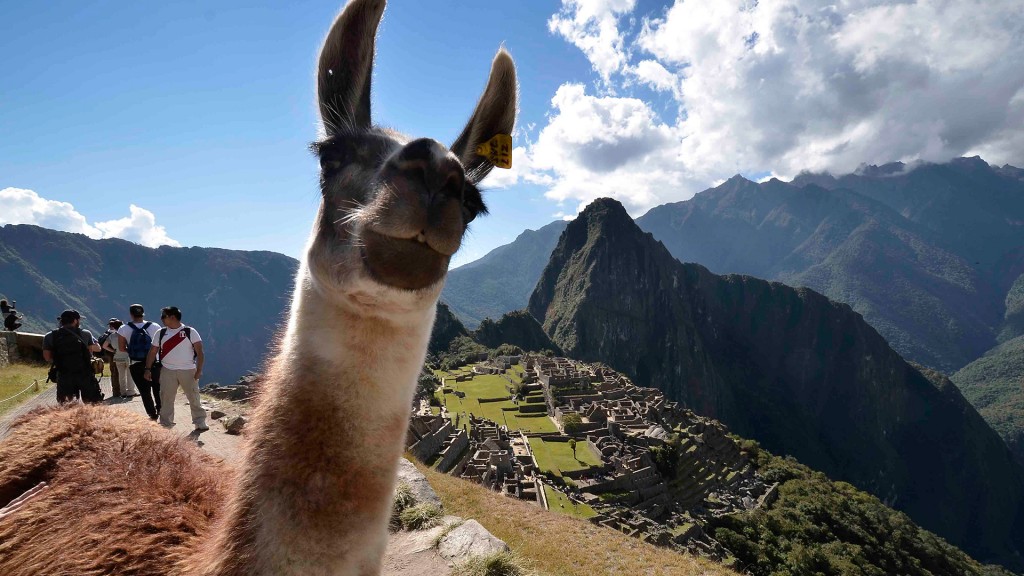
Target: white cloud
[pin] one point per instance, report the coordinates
(778, 86)
(592, 26)
(23, 206)
(140, 227)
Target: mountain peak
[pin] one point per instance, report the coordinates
(603, 207)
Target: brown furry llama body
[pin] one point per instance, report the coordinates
(312, 494)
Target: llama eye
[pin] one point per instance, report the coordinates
(328, 164)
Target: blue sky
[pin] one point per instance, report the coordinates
(199, 113)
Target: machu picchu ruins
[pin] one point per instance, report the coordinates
(631, 460)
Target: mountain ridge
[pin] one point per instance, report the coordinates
(787, 367)
(237, 300)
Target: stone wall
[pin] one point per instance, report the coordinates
(7, 345)
(30, 347)
(20, 347)
(450, 455)
(431, 443)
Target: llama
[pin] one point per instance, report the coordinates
(313, 492)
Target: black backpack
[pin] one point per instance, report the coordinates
(70, 354)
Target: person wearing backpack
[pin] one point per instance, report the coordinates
(179, 349)
(69, 349)
(136, 338)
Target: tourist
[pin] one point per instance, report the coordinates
(69, 349)
(120, 382)
(136, 339)
(10, 315)
(180, 351)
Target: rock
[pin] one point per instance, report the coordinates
(217, 414)
(469, 539)
(235, 424)
(417, 482)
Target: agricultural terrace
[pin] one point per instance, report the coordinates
(558, 502)
(488, 396)
(557, 457)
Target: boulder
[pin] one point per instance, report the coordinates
(469, 539)
(417, 482)
(235, 424)
(217, 414)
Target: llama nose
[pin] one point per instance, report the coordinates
(429, 162)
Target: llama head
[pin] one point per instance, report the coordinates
(394, 209)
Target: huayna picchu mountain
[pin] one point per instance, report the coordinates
(237, 300)
(799, 373)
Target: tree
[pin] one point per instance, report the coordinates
(572, 444)
(425, 386)
(572, 423)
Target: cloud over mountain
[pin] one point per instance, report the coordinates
(21, 206)
(704, 89)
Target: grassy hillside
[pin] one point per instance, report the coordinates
(994, 385)
(820, 527)
(556, 544)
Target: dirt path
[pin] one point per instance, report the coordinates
(215, 440)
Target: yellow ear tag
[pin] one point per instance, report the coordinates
(497, 150)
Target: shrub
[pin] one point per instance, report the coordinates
(404, 499)
(420, 516)
(496, 564)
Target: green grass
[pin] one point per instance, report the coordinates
(557, 457)
(539, 423)
(484, 386)
(17, 377)
(503, 412)
(558, 502)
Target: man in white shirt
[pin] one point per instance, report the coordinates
(136, 338)
(180, 349)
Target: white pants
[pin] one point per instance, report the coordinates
(170, 381)
(125, 382)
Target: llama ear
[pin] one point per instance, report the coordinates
(495, 114)
(346, 63)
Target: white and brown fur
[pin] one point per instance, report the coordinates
(313, 493)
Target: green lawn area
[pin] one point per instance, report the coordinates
(556, 457)
(17, 377)
(484, 386)
(514, 371)
(539, 423)
(503, 412)
(558, 502)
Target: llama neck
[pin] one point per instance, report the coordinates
(314, 493)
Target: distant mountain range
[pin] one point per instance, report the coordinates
(502, 280)
(789, 368)
(932, 256)
(927, 254)
(236, 300)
